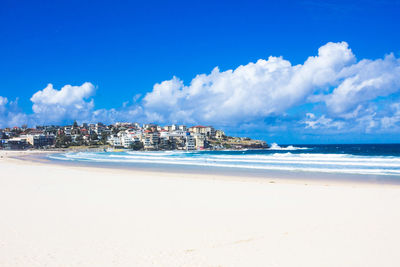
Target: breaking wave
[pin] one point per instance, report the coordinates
(262, 160)
(275, 146)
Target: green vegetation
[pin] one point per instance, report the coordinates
(63, 141)
(104, 137)
(136, 146)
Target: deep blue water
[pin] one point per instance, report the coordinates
(353, 149)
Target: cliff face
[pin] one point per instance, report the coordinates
(238, 143)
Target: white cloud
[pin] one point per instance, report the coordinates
(3, 103)
(392, 121)
(10, 114)
(270, 93)
(365, 81)
(68, 95)
(256, 90)
(322, 122)
(70, 102)
(345, 89)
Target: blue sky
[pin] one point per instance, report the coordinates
(124, 48)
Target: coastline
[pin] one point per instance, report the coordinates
(62, 215)
(288, 177)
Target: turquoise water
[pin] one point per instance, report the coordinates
(339, 159)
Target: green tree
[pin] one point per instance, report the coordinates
(104, 136)
(136, 146)
(94, 136)
(228, 146)
(79, 140)
(63, 140)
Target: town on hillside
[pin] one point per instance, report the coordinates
(123, 135)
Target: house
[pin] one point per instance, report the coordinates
(40, 140)
(164, 134)
(99, 128)
(178, 133)
(114, 140)
(190, 143)
(123, 124)
(16, 144)
(200, 141)
(209, 131)
(149, 126)
(68, 130)
(219, 134)
(197, 129)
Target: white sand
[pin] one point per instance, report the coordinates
(62, 216)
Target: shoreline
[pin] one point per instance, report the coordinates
(305, 178)
(59, 215)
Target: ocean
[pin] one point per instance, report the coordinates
(372, 160)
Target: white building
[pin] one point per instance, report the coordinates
(114, 141)
(210, 131)
(206, 130)
(164, 134)
(147, 143)
(200, 141)
(126, 140)
(128, 137)
(67, 130)
(178, 133)
(99, 128)
(219, 134)
(39, 140)
(190, 143)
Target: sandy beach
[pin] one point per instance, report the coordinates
(54, 215)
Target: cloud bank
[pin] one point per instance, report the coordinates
(70, 102)
(10, 114)
(253, 91)
(331, 90)
(343, 92)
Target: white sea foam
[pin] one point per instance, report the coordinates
(332, 163)
(271, 160)
(275, 146)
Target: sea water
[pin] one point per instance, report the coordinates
(368, 159)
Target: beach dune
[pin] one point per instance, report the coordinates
(54, 215)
